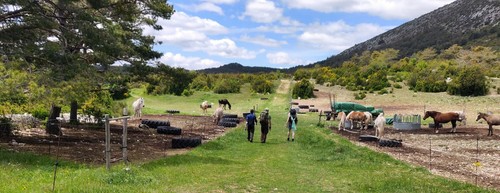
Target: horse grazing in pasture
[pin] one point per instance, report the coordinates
(342, 117)
(219, 112)
(357, 117)
(490, 119)
(369, 118)
(379, 125)
(138, 105)
(225, 102)
(204, 106)
(443, 118)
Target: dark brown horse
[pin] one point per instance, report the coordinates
(225, 102)
(443, 118)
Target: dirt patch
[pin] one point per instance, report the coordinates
(85, 143)
(467, 155)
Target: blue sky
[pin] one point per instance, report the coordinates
(279, 34)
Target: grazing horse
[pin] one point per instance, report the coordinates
(443, 118)
(204, 106)
(357, 117)
(490, 119)
(379, 125)
(219, 112)
(341, 115)
(225, 102)
(369, 118)
(138, 105)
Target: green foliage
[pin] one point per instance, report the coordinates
(5, 126)
(187, 92)
(262, 85)
(202, 82)
(360, 95)
(40, 113)
(383, 91)
(303, 89)
(471, 81)
(397, 86)
(301, 74)
(99, 104)
(227, 86)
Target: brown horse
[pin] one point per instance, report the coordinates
(443, 118)
(357, 117)
(490, 119)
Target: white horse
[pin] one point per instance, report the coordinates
(204, 106)
(379, 125)
(138, 105)
(342, 117)
(219, 112)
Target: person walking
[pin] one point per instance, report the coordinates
(292, 124)
(251, 121)
(265, 124)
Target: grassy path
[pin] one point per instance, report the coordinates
(318, 161)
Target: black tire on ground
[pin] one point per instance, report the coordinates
(168, 130)
(313, 110)
(294, 103)
(304, 106)
(368, 138)
(229, 116)
(155, 123)
(185, 142)
(234, 120)
(173, 111)
(390, 143)
(227, 124)
(315, 89)
(263, 98)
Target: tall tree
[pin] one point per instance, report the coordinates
(76, 34)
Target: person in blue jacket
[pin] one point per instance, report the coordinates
(250, 124)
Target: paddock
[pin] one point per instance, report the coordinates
(86, 143)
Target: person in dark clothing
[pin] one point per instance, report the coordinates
(265, 124)
(292, 124)
(251, 121)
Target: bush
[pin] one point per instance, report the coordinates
(187, 92)
(262, 85)
(396, 85)
(359, 96)
(303, 89)
(40, 113)
(471, 81)
(383, 91)
(227, 86)
(5, 127)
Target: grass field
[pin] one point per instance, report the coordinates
(318, 161)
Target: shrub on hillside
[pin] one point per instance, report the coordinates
(471, 81)
(359, 96)
(303, 89)
(261, 85)
(227, 86)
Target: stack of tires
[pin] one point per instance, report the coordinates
(179, 142)
(229, 120)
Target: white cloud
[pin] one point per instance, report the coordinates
(190, 63)
(389, 9)
(338, 36)
(283, 58)
(191, 34)
(263, 11)
(207, 6)
(262, 40)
